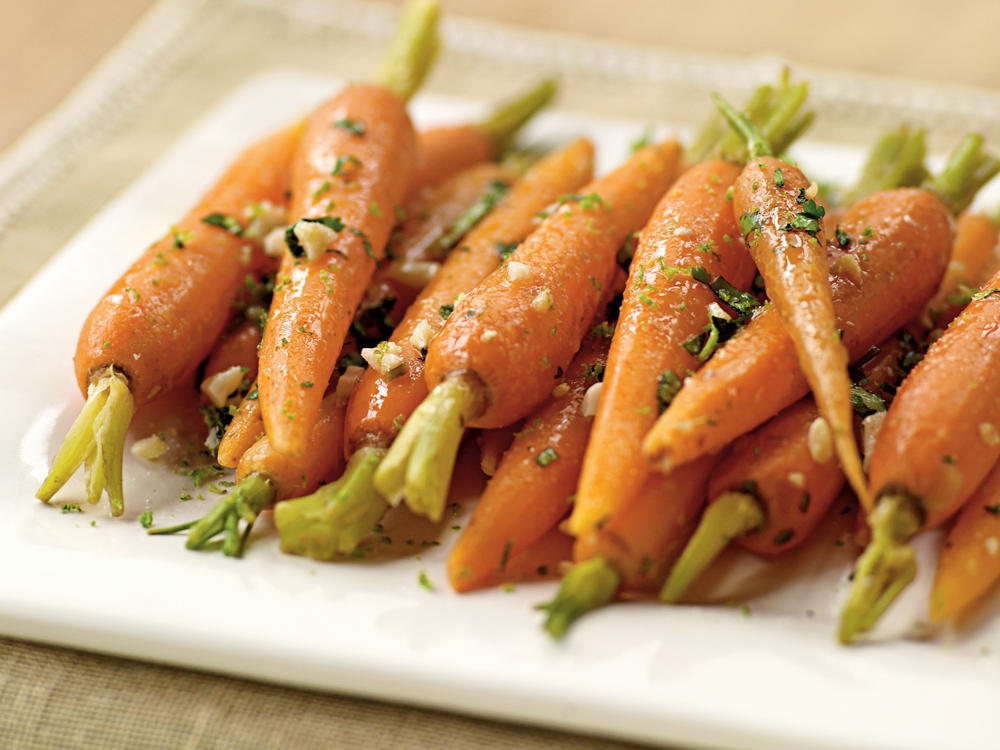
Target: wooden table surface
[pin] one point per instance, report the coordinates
(48, 46)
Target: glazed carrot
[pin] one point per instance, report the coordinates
(976, 237)
(691, 240)
(493, 444)
(935, 448)
(539, 562)
(245, 429)
(505, 342)
(888, 269)
(635, 549)
(969, 563)
(238, 348)
(445, 150)
(382, 401)
(263, 476)
(352, 167)
(162, 317)
(537, 477)
(783, 228)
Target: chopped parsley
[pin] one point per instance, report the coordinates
(808, 218)
(445, 311)
(779, 179)
(783, 536)
(750, 222)
(71, 508)
(223, 221)
(146, 519)
(546, 457)
(343, 161)
(504, 249)
(744, 303)
(594, 371)
(842, 239)
(202, 474)
(181, 237)
(424, 581)
(354, 127)
(667, 386)
(603, 330)
(364, 240)
(865, 402)
(587, 202)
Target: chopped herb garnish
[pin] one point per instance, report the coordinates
(504, 249)
(307, 384)
(181, 237)
(146, 519)
(865, 402)
(342, 162)
(594, 371)
(445, 311)
(470, 216)
(546, 457)
(779, 179)
(950, 460)
(355, 127)
(783, 536)
(983, 294)
(642, 141)
(71, 508)
(993, 509)
(603, 330)
(424, 581)
(842, 239)
(202, 474)
(750, 222)
(667, 386)
(587, 202)
(505, 555)
(744, 303)
(364, 240)
(324, 188)
(698, 273)
(804, 502)
(222, 221)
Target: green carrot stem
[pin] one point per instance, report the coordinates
(759, 106)
(412, 50)
(172, 529)
(966, 171)
(756, 145)
(419, 464)
(97, 437)
(507, 119)
(887, 565)
(782, 117)
(732, 514)
(336, 518)
(587, 586)
(792, 132)
(254, 493)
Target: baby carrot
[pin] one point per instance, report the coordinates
(969, 563)
(539, 562)
(636, 547)
(161, 318)
(382, 401)
(883, 267)
(534, 484)
(352, 167)
(505, 342)
(493, 444)
(935, 448)
(263, 476)
(783, 228)
(445, 150)
(691, 240)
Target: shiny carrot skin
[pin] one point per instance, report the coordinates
(163, 316)
(449, 149)
(493, 444)
(642, 541)
(516, 345)
(937, 444)
(879, 281)
(533, 487)
(539, 562)
(379, 405)
(969, 564)
(789, 247)
(296, 476)
(976, 237)
(246, 429)
(314, 300)
(663, 308)
(238, 348)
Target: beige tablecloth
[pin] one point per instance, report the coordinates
(176, 64)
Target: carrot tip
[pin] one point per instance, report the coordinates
(419, 464)
(886, 567)
(254, 493)
(96, 439)
(336, 518)
(732, 514)
(587, 586)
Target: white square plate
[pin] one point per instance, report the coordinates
(707, 677)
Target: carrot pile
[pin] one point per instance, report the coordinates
(700, 348)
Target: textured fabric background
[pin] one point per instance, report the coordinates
(176, 64)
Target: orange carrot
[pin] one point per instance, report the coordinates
(508, 339)
(382, 401)
(539, 562)
(535, 482)
(264, 475)
(238, 348)
(352, 168)
(888, 269)
(691, 239)
(783, 227)
(493, 444)
(444, 151)
(969, 563)
(159, 321)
